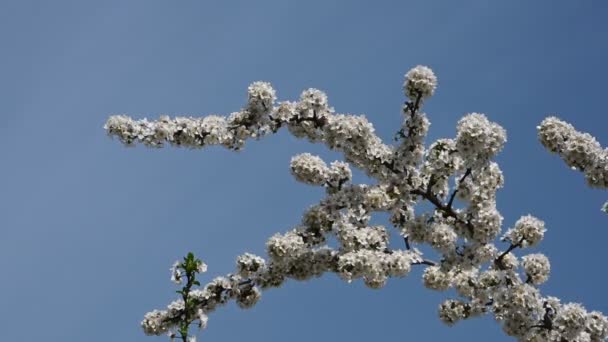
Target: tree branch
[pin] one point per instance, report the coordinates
(466, 174)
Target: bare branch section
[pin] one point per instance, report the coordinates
(486, 280)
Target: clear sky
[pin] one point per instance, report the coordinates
(89, 228)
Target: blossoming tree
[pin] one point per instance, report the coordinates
(486, 279)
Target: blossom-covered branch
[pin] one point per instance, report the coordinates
(461, 228)
(580, 151)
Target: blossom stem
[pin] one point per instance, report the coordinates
(499, 261)
(466, 174)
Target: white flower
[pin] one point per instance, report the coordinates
(570, 320)
(309, 169)
(537, 268)
(509, 262)
(249, 264)
(261, 96)
(286, 246)
(398, 264)
(338, 174)
(597, 326)
(528, 231)
(354, 238)
(478, 139)
(452, 311)
(486, 221)
(176, 273)
(579, 150)
(201, 267)
(443, 238)
(465, 282)
(248, 297)
(202, 319)
(420, 80)
(480, 253)
(436, 279)
(156, 323)
(313, 102)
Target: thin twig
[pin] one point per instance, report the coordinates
(466, 174)
(498, 262)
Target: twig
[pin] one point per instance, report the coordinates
(466, 174)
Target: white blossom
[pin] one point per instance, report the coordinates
(155, 323)
(486, 221)
(579, 150)
(309, 169)
(338, 174)
(201, 267)
(285, 246)
(478, 139)
(176, 273)
(536, 267)
(436, 279)
(419, 80)
(249, 264)
(571, 320)
(261, 96)
(528, 231)
(452, 311)
(248, 297)
(443, 238)
(597, 326)
(482, 185)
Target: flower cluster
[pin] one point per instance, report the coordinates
(527, 232)
(536, 267)
(420, 81)
(310, 169)
(457, 177)
(579, 150)
(478, 139)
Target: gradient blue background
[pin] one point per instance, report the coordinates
(89, 228)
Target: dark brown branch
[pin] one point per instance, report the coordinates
(447, 211)
(466, 174)
(499, 261)
(425, 262)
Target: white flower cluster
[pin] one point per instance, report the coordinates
(579, 150)
(482, 186)
(310, 169)
(441, 162)
(420, 81)
(411, 150)
(528, 231)
(261, 97)
(478, 139)
(486, 280)
(374, 266)
(537, 268)
(213, 295)
(248, 265)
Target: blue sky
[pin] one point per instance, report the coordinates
(89, 228)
